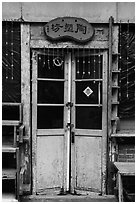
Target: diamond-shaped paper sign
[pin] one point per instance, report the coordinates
(88, 91)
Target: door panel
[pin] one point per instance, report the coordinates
(88, 158)
(48, 114)
(89, 96)
(49, 163)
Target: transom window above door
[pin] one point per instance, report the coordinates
(88, 63)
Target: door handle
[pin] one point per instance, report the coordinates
(72, 137)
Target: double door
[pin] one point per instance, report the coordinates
(69, 120)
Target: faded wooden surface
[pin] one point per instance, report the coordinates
(99, 40)
(104, 153)
(100, 32)
(44, 44)
(125, 168)
(97, 12)
(88, 163)
(25, 99)
(34, 119)
(49, 162)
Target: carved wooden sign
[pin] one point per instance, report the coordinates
(67, 28)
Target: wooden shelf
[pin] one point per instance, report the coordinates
(7, 148)
(125, 168)
(123, 134)
(8, 197)
(10, 123)
(8, 174)
(8, 144)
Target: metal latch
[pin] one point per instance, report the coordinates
(69, 104)
(72, 137)
(70, 125)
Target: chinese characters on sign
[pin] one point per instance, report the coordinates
(69, 27)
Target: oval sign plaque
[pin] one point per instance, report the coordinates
(66, 28)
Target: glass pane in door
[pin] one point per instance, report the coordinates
(87, 66)
(49, 117)
(51, 64)
(51, 92)
(89, 118)
(88, 92)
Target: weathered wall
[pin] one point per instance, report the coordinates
(94, 12)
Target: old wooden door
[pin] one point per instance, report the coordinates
(69, 119)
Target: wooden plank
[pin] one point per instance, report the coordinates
(50, 132)
(34, 120)
(115, 38)
(45, 79)
(110, 75)
(8, 197)
(25, 93)
(8, 148)
(68, 129)
(8, 174)
(65, 124)
(50, 156)
(17, 174)
(11, 104)
(73, 130)
(88, 160)
(120, 188)
(10, 122)
(88, 105)
(104, 153)
(15, 136)
(89, 133)
(80, 80)
(123, 135)
(125, 168)
(49, 104)
(46, 44)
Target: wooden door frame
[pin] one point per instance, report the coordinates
(102, 132)
(34, 121)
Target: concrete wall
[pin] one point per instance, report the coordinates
(94, 12)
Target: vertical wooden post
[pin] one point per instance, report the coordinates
(25, 94)
(73, 154)
(110, 75)
(68, 121)
(104, 124)
(120, 188)
(34, 120)
(109, 88)
(65, 126)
